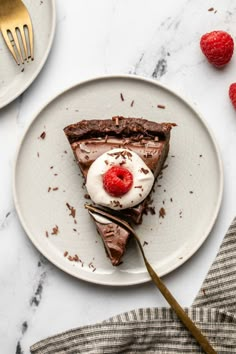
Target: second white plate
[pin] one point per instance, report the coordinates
(16, 79)
(47, 179)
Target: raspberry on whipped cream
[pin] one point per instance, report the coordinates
(143, 179)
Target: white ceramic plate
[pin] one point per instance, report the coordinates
(14, 79)
(190, 189)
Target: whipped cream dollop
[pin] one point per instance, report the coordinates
(143, 179)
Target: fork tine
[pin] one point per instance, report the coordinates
(10, 46)
(22, 35)
(17, 44)
(31, 39)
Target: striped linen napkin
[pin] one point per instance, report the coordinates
(158, 330)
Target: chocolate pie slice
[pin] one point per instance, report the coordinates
(120, 158)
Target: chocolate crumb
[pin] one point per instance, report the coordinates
(22, 70)
(55, 189)
(122, 97)
(70, 258)
(191, 192)
(164, 167)
(87, 196)
(200, 155)
(211, 9)
(38, 154)
(55, 230)
(55, 174)
(137, 186)
(161, 106)
(43, 135)
(171, 200)
(72, 210)
(51, 167)
(65, 253)
(74, 230)
(132, 103)
(162, 213)
(65, 152)
(46, 233)
(49, 188)
(145, 243)
(94, 269)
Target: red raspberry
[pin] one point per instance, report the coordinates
(218, 47)
(117, 181)
(232, 94)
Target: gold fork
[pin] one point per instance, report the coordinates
(184, 318)
(16, 28)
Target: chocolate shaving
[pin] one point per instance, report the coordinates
(144, 170)
(162, 213)
(161, 106)
(122, 97)
(46, 233)
(132, 103)
(116, 203)
(72, 210)
(76, 258)
(123, 154)
(55, 230)
(49, 188)
(145, 243)
(42, 135)
(55, 188)
(65, 253)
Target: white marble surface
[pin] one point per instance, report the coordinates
(152, 38)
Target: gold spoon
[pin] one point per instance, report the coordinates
(185, 319)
